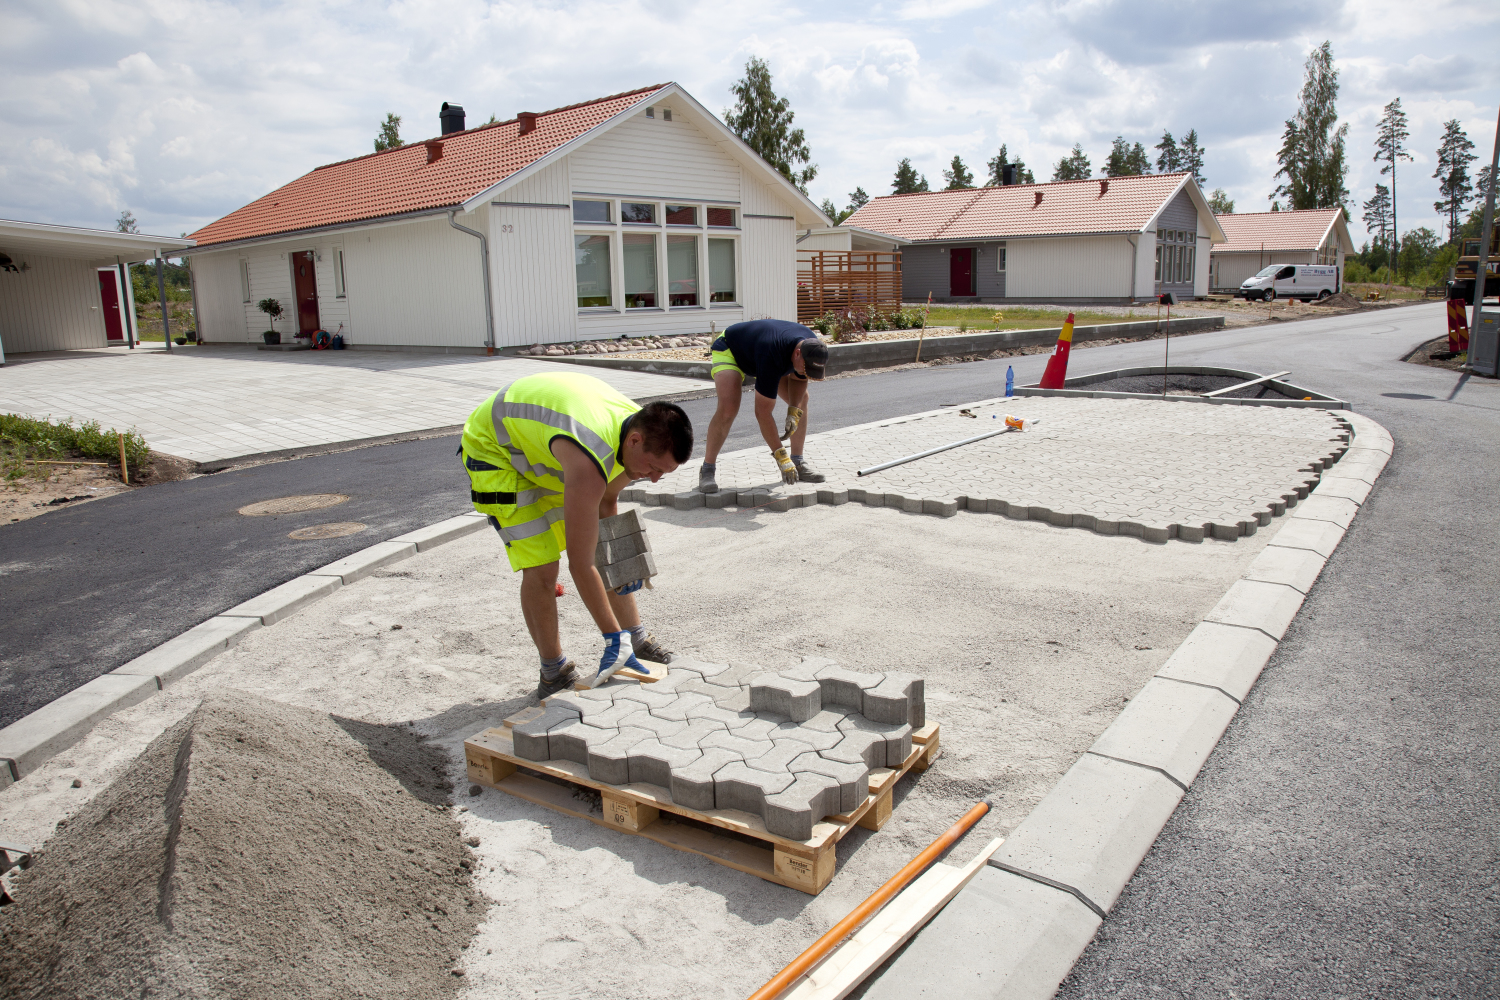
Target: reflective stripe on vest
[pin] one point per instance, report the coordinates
(528, 529)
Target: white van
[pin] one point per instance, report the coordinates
(1291, 281)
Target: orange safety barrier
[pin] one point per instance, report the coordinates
(1458, 326)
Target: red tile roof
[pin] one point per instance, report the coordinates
(1066, 207)
(399, 181)
(1256, 231)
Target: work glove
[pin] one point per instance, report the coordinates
(793, 419)
(630, 588)
(619, 653)
(784, 461)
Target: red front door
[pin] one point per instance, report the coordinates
(961, 271)
(109, 299)
(306, 290)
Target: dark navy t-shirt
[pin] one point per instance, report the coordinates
(763, 349)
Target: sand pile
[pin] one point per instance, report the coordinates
(255, 850)
(1339, 300)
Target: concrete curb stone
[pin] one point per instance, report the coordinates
(1317, 536)
(361, 564)
(1169, 725)
(444, 531)
(283, 601)
(176, 658)
(59, 724)
(1220, 656)
(1295, 568)
(1324, 507)
(1269, 607)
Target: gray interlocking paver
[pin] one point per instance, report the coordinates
(653, 761)
(798, 700)
(859, 747)
(531, 737)
(737, 785)
(609, 761)
(694, 733)
(678, 710)
(792, 811)
(693, 786)
(1162, 467)
(653, 724)
(853, 779)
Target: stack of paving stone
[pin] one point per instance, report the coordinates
(790, 746)
(623, 554)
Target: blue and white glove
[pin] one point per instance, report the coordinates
(630, 588)
(619, 653)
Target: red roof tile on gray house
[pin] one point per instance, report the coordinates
(406, 180)
(1252, 232)
(1097, 206)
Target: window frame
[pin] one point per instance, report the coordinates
(610, 240)
(656, 292)
(609, 210)
(708, 272)
(340, 282)
(245, 295)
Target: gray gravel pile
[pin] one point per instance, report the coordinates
(254, 850)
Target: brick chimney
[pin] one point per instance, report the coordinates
(527, 120)
(434, 150)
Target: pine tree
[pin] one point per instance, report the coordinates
(1377, 217)
(1192, 157)
(958, 176)
(390, 133)
(1073, 167)
(857, 200)
(832, 211)
(1220, 203)
(1312, 154)
(996, 165)
(1453, 158)
(126, 223)
(1125, 160)
(1169, 160)
(764, 121)
(1390, 145)
(907, 180)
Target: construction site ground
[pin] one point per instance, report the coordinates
(1031, 639)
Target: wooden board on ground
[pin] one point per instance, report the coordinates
(847, 965)
(648, 810)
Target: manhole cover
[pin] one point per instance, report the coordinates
(338, 529)
(291, 505)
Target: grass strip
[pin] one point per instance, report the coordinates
(24, 440)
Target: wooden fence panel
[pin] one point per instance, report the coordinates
(835, 280)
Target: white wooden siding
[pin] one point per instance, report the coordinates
(761, 199)
(650, 157)
(1201, 259)
(1077, 267)
(546, 187)
(53, 305)
(534, 284)
(416, 285)
(654, 322)
(221, 317)
(825, 241)
(1144, 255)
(768, 269)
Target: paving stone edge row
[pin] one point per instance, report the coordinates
(1017, 930)
(28, 742)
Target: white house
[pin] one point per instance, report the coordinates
(64, 288)
(1260, 239)
(1111, 239)
(637, 213)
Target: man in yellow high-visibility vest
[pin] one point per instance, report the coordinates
(547, 457)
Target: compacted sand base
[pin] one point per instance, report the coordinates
(255, 850)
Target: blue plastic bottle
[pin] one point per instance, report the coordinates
(1010, 381)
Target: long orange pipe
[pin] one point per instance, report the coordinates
(804, 962)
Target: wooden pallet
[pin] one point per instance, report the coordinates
(647, 810)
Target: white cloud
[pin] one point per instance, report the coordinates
(183, 110)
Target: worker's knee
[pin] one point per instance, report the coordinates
(540, 576)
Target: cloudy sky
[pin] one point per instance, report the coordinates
(183, 110)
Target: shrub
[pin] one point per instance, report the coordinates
(26, 439)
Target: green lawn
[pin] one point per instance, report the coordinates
(1022, 318)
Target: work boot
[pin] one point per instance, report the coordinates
(706, 482)
(652, 650)
(806, 473)
(565, 679)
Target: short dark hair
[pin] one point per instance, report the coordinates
(665, 427)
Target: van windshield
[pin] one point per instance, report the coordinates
(1268, 271)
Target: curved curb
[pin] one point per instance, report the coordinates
(1019, 927)
(58, 725)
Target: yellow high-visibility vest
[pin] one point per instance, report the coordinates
(514, 430)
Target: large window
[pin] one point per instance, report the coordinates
(640, 270)
(721, 271)
(682, 270)
(591, 261)
(591, 211)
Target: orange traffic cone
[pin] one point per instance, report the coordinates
(1458, 326)
(1057, 365)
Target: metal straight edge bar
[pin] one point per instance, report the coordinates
(934, 451)
(1086, 837)
(61, 723)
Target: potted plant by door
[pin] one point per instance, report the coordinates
(274, 310)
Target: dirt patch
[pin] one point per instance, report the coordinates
(1342, 300)
(254, 850)
(1424, 356)
(51, 487)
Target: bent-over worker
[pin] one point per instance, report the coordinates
(547, 457)
(781, 356)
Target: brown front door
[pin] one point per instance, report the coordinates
(307, 291)
(961, 271)
(109, 299)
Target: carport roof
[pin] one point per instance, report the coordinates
(100, 246)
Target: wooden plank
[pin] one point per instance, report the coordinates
(930, 751)
(627, 813)
(1244, 385)
(877, 814)
(847, 966)
(524, 715)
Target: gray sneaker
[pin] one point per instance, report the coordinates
(565, 679)
(806, 473)
(652, 650)
(706, 482)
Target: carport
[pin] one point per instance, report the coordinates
(63, 288)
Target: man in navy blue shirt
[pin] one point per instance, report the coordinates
(781, 357)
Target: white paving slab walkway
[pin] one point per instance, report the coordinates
(218, 403)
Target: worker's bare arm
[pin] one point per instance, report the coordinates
(583, 501)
